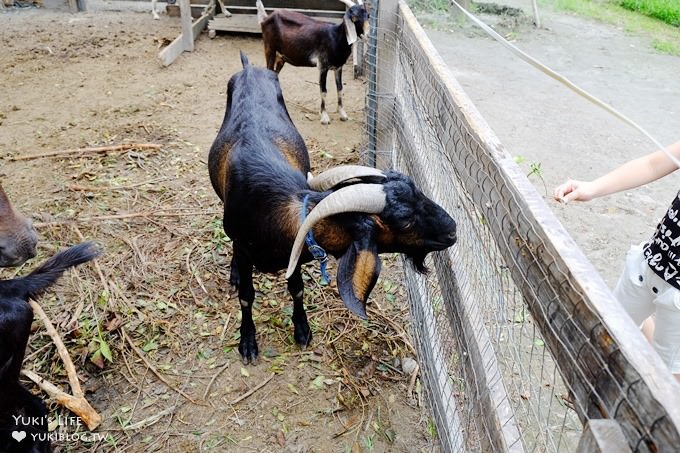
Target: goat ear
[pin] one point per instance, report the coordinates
(5, 205)
(358, 270)
(244, 59)
(351, 31)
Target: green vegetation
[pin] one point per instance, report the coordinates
(665, 10)
(665, 34)
(657, 19)
(429, 6)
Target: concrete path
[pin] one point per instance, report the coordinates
(544, 122)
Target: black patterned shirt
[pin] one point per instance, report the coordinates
(662, 251)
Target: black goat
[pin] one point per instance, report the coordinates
(23, 416)
(292, 37)
(18, 238)
(258, 164)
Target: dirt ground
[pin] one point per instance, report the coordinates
(542, 122)
(92, 79)
(156, 306)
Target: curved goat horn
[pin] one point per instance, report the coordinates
(349, 3)
(369, 198)
(330, 178)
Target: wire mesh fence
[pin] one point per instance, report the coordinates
(521, 344)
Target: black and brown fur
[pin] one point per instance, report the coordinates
(258, 165)
(18, 238)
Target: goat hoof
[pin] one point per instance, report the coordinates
(248, 350)
(325, 119)
(303, 335)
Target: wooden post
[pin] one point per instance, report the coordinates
(358, 58)
(537, 18)
(382, 54)
(190, 31)
(187, 33)
(603, 436)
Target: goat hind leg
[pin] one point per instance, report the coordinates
(338, 85)
(153, 9)
(322, 83)
(247, 346)
(234, 278)
(302, 332)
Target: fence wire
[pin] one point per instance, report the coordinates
(509, 326)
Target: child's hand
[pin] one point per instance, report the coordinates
(573, 191)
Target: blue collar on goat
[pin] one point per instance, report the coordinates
(315, 249)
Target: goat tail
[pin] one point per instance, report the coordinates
(261, 13)
(48, 272)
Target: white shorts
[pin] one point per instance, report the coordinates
(643, 293)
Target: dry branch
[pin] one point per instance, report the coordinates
(207, 389)
(76, 402)
(253, 390)
(94, 150)
(130, 215)
(77, 405)
(152, 368)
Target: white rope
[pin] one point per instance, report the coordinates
(563, 80)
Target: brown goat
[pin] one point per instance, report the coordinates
(18, 238)
(292, 37)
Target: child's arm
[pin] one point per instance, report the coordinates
(634, 173)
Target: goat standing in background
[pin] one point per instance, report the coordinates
(20, 410)
(292, 37)
(258, 165)
(18, 238)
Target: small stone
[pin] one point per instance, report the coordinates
(408, 365)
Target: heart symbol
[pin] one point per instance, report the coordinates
(19, 435)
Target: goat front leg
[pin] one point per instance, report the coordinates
(247, 346)
(323, 72)
(302, 332)
(153, 9)
(338, 85)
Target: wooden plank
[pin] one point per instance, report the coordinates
(326, 5)
(239, 23)
(549, 267)
(200, 23)
(246, 23)
(317, 13)
(172, 51)
(603, 436)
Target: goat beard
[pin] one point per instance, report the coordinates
(418, 262)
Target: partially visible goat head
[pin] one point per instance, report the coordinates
(356, 20)
(18, 238)
(401, 218)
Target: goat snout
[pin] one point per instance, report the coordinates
(447, 240)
